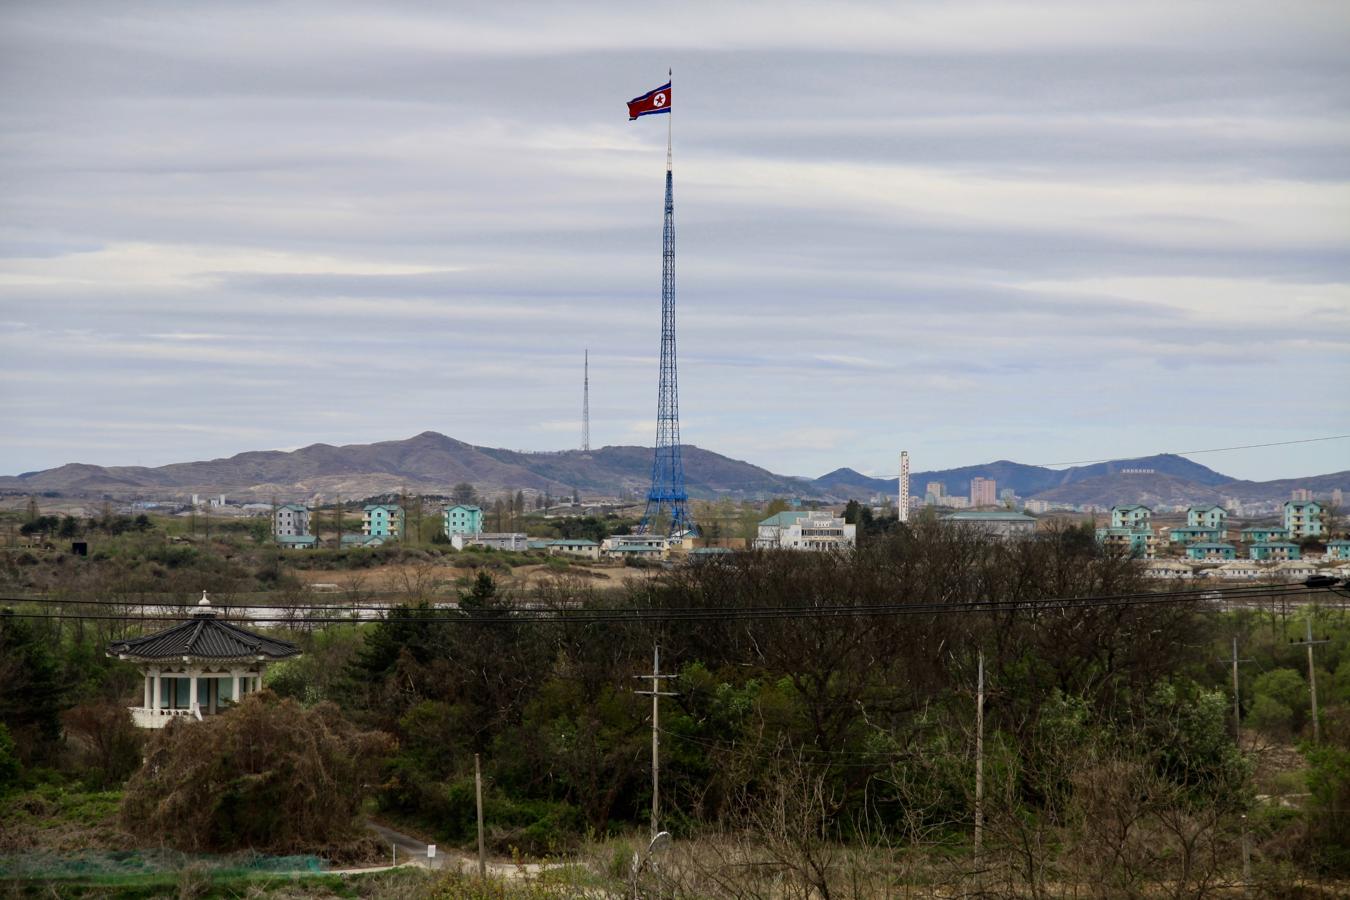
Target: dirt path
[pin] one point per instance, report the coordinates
(412, 851)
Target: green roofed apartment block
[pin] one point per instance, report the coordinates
(1281, 551)
(1211, 517)
(1211, 551)
(383, 520)
(1130, 532)
(1303, 518)
(463, 519)
(1263, 534)
(1191, 534)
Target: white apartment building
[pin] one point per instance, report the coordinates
(291, 520)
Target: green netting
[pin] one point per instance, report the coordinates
(151, 862)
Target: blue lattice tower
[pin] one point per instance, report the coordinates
(666, 499)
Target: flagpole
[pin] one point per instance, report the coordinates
(670, 115)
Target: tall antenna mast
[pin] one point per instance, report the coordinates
(586, 405)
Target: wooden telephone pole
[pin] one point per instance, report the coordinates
(656, 694)
(979, 758)
(1237, 706)
(1312, 675)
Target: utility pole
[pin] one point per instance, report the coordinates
(979, 758)
(1312, 675)
(478, 788)
(656, 694)
(1237, 707)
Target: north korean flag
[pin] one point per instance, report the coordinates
(652, 103)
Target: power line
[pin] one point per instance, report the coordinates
(1211, 592)
(1091, 462)
(656, 615)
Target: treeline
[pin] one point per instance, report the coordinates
(1107, 731)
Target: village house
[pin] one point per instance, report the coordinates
(1295, 570)
(635, 546)
(1168, 568)
(1243, 570)
(509, 540)
(1338, 550)
(1274, 551)
(1264, 534)
(574, 547)
(1190, 534)
(1211, 551)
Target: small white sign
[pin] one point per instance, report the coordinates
(431, 851)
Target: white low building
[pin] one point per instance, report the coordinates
(512, 541)
(635, 546)
(998, 523)
(1243, 570)
(574, 547)
(198, 668)
(806, 530)
(1168, 568)
(1295, 570)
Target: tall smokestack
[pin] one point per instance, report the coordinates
(902, 505)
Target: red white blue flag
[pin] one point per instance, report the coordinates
(654, 102)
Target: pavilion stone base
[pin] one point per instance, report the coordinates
(143, 717)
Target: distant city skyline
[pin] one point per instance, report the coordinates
(1040, 231)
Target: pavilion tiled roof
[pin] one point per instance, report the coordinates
(204, 637)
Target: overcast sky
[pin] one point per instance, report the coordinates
(1041, 231)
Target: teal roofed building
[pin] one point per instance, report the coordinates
(1131, 516)
(462, 519)
(1263, 534)
(383, 520)
(1303, 518)
(1211, 517)
(1338, 550)
(1190, 534)
(1210, 550)
(1280, 551)
(297, 541)
(1130, 531)
(366, 541)
(1137, 542)
(575, 547)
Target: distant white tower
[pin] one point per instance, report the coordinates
(586, 405)
(902, 510)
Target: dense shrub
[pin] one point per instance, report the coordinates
(268, 775)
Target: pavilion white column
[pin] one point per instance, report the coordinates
(155, 696)
(192, 691)
(234, 688)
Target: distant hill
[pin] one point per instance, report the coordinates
(1027, 481)
(427, 463)
(432, 463)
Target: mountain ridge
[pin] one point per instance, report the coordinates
(431, 462)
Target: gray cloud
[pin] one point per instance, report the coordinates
(1021, 231)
